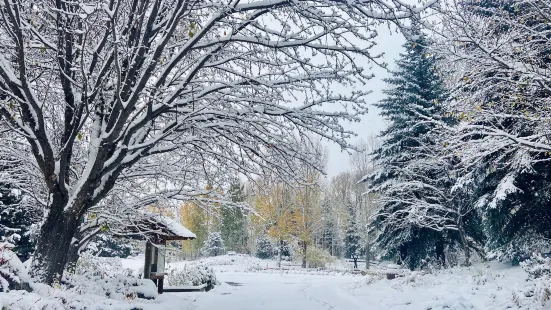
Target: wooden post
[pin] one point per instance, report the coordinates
(160, 285)
(147, 263)
(155, 252)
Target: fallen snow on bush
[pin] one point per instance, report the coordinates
(191, 275)
(483, 286)
(57, 299)
(12, 270)
(95, 283)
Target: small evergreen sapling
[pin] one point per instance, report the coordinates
(214, 245)
(264, 248)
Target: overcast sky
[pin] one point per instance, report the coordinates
(372, 123)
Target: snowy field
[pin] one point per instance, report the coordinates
(250, 283)
(247, 283)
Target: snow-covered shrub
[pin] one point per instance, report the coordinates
(12, 271)
(537, 266)
(214, 245)
(538, 288)
(264, 248)
(89, 265)
(318, 258)
(520, 248)
(105, 276)
(286, 251)
(191, 275)
(119, 287)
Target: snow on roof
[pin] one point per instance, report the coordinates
(157, 226)
(174, 227)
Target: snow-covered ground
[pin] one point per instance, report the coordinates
(250, 283)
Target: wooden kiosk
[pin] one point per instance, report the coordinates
(162, 229)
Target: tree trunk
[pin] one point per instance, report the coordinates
(304, 248)
(72, 256)
(466, 248)
(279, 253)
(440, 255)
(367, 254)
(53, 245)
(77, 244)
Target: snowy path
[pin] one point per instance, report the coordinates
(280, 291)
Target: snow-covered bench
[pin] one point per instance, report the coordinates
(186, 288)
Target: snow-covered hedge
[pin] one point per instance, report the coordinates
(191, 275)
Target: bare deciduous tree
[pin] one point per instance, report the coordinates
(96, 88)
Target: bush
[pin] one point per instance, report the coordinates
(538, 287)
(105, 267)
(537, 266)
(318, 258)
(119, 287)
(12, 272)
(105, 276)
(192, 275)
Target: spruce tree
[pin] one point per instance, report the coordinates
(264, 248)
(106, 245)
(509, 185)
(410, 179)
(329, 239)
(233, 221)
(352, 238)
(16, 222)
(214, 245)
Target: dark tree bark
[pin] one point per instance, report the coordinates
(440, 255)
(279, 253)
(72, 256)
(53, 245)
(464, 242)
(304, 249)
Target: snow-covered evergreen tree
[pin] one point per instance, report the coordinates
(264, 247)
(233, 221)
(501, 97)
(214, 245)
(329, 234)
(352, 239)
(17, 223)
(286, 250)
(105, 245)
(411, 179)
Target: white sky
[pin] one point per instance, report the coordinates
(372, 123)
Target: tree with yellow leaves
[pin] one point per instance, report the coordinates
(275, 213)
